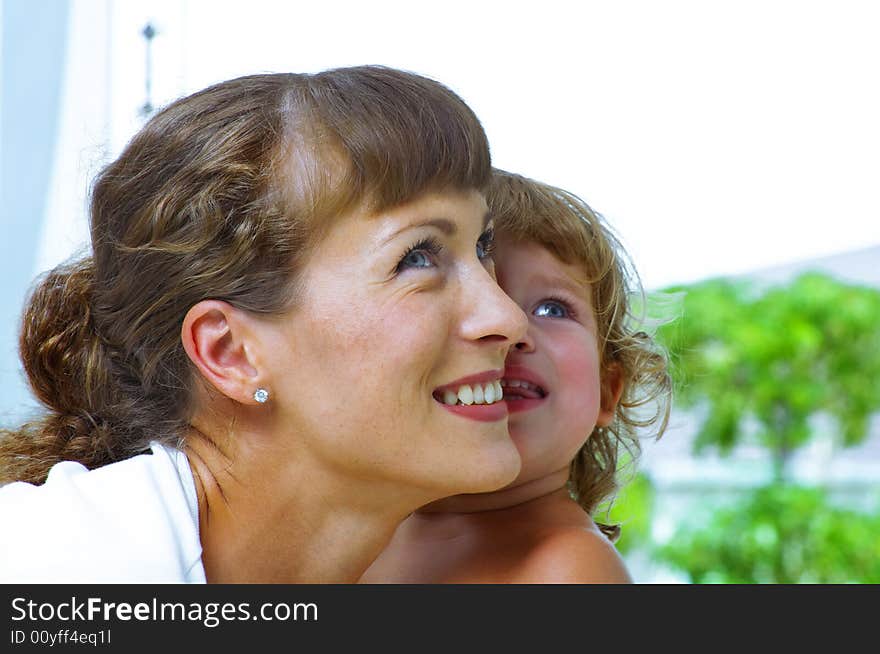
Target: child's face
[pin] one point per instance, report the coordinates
(552, 416)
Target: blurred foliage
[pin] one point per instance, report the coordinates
(780, 534)
(777, 357)
(773, 359)
(631, 509)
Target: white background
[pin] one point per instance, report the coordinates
(717, 137)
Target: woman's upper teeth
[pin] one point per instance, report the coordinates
(468, 394)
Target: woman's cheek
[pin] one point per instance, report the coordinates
(413, 328)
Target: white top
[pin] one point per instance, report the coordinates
(135, 521)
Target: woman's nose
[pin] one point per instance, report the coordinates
(494, 315)
(526, 344)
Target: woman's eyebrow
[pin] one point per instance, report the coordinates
(443, 224)
(448, 227)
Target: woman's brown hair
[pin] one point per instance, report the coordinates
(527, 210)
(220, 196)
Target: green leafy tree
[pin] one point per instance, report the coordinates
(781, 534)
(776, 359)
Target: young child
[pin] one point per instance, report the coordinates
(578, 386)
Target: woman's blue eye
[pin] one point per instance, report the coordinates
(551, 309)
(416, 259)
(421, 255)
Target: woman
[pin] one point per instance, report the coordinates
(262, 362)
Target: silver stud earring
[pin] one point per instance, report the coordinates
(261, 395)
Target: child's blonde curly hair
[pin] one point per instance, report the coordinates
(527, 210)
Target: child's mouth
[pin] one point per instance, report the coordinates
(518, 389)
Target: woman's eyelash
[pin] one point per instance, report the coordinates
(431, 248)
(487, 243)
(429, 245)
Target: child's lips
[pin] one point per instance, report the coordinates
(522, 394)
(518, 404)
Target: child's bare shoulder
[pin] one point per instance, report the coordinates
(573, 555)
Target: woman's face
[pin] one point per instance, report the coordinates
(399, 311)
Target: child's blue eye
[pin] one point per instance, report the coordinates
(551, 309)
(420, 255)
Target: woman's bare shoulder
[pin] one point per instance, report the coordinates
(573, 555)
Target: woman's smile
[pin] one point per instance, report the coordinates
(478, 397)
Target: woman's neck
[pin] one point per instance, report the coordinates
(265, 518)
(511, 496)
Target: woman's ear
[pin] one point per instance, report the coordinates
(216, 337)
(612, 389)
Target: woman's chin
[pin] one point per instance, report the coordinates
(492, 469)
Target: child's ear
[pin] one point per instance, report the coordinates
(612, 389)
